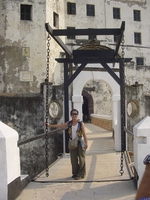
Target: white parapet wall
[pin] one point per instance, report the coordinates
(103, 121)
(141, 145)
(9, 159)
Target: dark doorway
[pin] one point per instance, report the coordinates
(85, 109)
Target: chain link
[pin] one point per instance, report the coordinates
(47, 89)
(122, 105)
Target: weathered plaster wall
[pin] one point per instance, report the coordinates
(135, 92)
(104, 19)
(102, 96)
(132, 50)
(56, 70)
(26, 115)
(23, 48)
(2, 18)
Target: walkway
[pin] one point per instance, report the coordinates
(103, 180)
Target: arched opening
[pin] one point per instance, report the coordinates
(87, 107)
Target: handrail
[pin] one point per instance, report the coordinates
(129, 132)
(21, 142)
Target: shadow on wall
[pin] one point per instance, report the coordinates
(25, 114)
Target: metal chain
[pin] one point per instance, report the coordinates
(47, 89)
(122, 106)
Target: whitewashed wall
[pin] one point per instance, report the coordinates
(9, 158)
(24, 72)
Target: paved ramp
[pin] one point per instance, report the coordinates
(102, 173)
(102, 162)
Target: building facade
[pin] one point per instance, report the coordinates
(23, 49)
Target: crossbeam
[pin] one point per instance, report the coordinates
(78, 70)
(92, 60)
(57, 39)
(109, 70)
(94, 69)
(120, 38)
(70, 32)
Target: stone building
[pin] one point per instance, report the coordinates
(95, 85)
(23, 52)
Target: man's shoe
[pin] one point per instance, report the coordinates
(73, 176)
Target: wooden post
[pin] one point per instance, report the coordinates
(66, 102)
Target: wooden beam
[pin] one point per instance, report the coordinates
(69, 32)
(120, 38)
(57, 39)
(99, 69)
(92, 60)
(76, 73)
(113, 75)
(42, 135)
(103, 53)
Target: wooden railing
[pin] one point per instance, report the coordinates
(129, 154)
(33, 138)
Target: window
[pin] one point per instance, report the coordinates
(71, 36)
(25, 12)
(137, 15)
(139, 61)
(55, 20)
(137, 38)
(90, 10)
(71, 8)
(116, 13)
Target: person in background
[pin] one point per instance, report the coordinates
(143, 192)
(76, 128)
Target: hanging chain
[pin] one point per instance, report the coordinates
(122, 106)
(47, 89)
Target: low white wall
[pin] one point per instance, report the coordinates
(141, 145)
(9, 158)
(102, 116)
(102, 121)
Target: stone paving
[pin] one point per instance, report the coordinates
(103, 180)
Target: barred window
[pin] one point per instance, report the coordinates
(55, 20)
(71, 8)
(137, 38)
(139, 61)
(116, 13)
(137, 15)
(25, 12)
(90, 10)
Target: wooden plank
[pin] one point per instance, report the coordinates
(69, 32)
(92, 60)
(120, 38)
(76, 73)
(96, 53)
(33, 138)
(113, 75)
(57, 39)
(99, 69)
